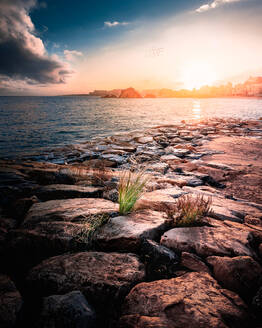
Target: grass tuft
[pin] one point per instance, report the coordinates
(130, 189)
(189, 210)
(91, 224)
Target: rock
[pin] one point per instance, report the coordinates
(20, 207)
(241, 274)
(52, 176)
(69, 310)
(193, 300)
(208, 241)
(104, 278)
(27, 247)
(10, 302)
(144, 140)
(159, 199)
(158, 167)
(124, 233)
(129, 93)
(257, 302)
(193, 263)
(61, 191)
(111, 195)
(161, 262)
(69, 210)
(114, 158)
(181, 153)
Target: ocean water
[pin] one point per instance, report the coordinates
(32, 124)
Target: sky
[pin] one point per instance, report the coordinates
(52, 47)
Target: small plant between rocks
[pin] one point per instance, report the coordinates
(189, 210)
(91, 224)
(130, 189)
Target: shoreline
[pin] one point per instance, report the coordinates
(140, 270)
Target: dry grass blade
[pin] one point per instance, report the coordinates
(190, 209)
(130, 189)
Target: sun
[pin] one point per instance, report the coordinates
(195, 75)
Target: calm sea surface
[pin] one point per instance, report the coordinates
(31, 124)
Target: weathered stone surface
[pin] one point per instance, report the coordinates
(193, 263)
(10, 302)
(69, 310)
(125, 232)
(61, 191)
(28, 247)
(158, 167)
(193, 300)
(160, 198)
(241, 274)
(114, 158)
(102, 277)
(228, 209)
(161, 262)
(208, 241)
(70, 210)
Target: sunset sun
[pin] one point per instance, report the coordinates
(196, 75)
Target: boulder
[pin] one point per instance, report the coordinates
(208, 241)
(193, 300)
(193, 262)
(69, 310)
(27, 247)
(104, 278)
(62, 191)
(241, 274)
(124, 233)
(10, 302)
(161, 262)
(160, 199)
(68, 210)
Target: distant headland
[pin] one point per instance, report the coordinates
(250, 88)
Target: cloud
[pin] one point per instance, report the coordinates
(214, 4)
(115, 23)
(23, 54)
(72, 54)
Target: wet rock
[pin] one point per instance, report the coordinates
(10, 302)
(193, 263)
(192, 300)
(69, 310)
(68, 210)
(61, 191)
(159, 199)
(104, 278)
(208, 241)
(124, 233)
(161, 262)
(241, 274)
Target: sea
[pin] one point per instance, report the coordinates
(30, 125)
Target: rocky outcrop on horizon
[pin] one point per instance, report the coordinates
(130, 93)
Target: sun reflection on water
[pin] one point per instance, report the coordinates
(196, 110)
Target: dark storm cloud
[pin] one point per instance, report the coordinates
(22, 52)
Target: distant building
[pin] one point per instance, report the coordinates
(254, 86)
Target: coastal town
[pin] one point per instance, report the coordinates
(250, 88)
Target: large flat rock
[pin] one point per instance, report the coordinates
(193, 300)
(68, 210)
(64, 191)
(208, 241)
(158, 199)
(102, 277)
(126, 232)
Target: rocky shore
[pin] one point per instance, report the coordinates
(137, 270)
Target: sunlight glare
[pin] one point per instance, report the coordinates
(197, 75)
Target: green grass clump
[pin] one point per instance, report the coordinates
(189, 210)
(130, 189)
